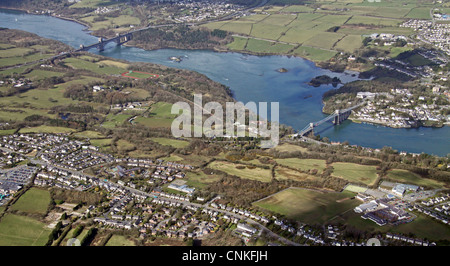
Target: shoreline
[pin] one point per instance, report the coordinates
(215, 49)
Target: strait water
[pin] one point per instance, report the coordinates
(251, 78)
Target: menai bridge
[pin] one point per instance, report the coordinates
(337, 117)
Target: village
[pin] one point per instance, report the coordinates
(431, 32)
(197, 11)
(400, 109)
(151, 196)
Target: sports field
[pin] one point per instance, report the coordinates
(308, 206)
(34, 200)
(118, 241)
(16, 230)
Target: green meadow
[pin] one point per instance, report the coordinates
(308, 206)
(16, 230)
(34, 200)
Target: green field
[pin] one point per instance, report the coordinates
(295, 35)
(38, 74)
(162, 110)
(97, 67)
(286, 147)
(118, 241)
(312, 27)
(16, 230)
(297, 8)
(33, 201)
(260, 46)
(308, 206)
(14, 52)
(349, 43)
(259, 174)
(115, 120)
(357, 173)
(139, 75)
(159, 116)
(7, 132)
(238, 27)
(238, 43)
(89, 134)
(303, 164)
(356, 189)
(154, 122)
(199, 179)
(124, 145)
(101, 142)
(46, 129)
(93, 3)
(279, 19)
(172, 158)
(112, 22)
(171, 142)
(404, 176)
(283, 173)
(324, 40)
(314, 54)
(11, 61)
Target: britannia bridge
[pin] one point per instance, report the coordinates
(337, 117)
(119, 40)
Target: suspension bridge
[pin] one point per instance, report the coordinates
(337, 117)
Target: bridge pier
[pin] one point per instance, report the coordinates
(340, 117)
(122, 39)
(100, 45)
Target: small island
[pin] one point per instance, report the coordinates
(324, 79)
(175, 59)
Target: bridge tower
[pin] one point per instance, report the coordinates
(311, 126)
(101, 44)
(337, 119)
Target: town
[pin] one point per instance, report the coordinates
(150, 195)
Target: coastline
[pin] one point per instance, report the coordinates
(363, 121)
(215, 49)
